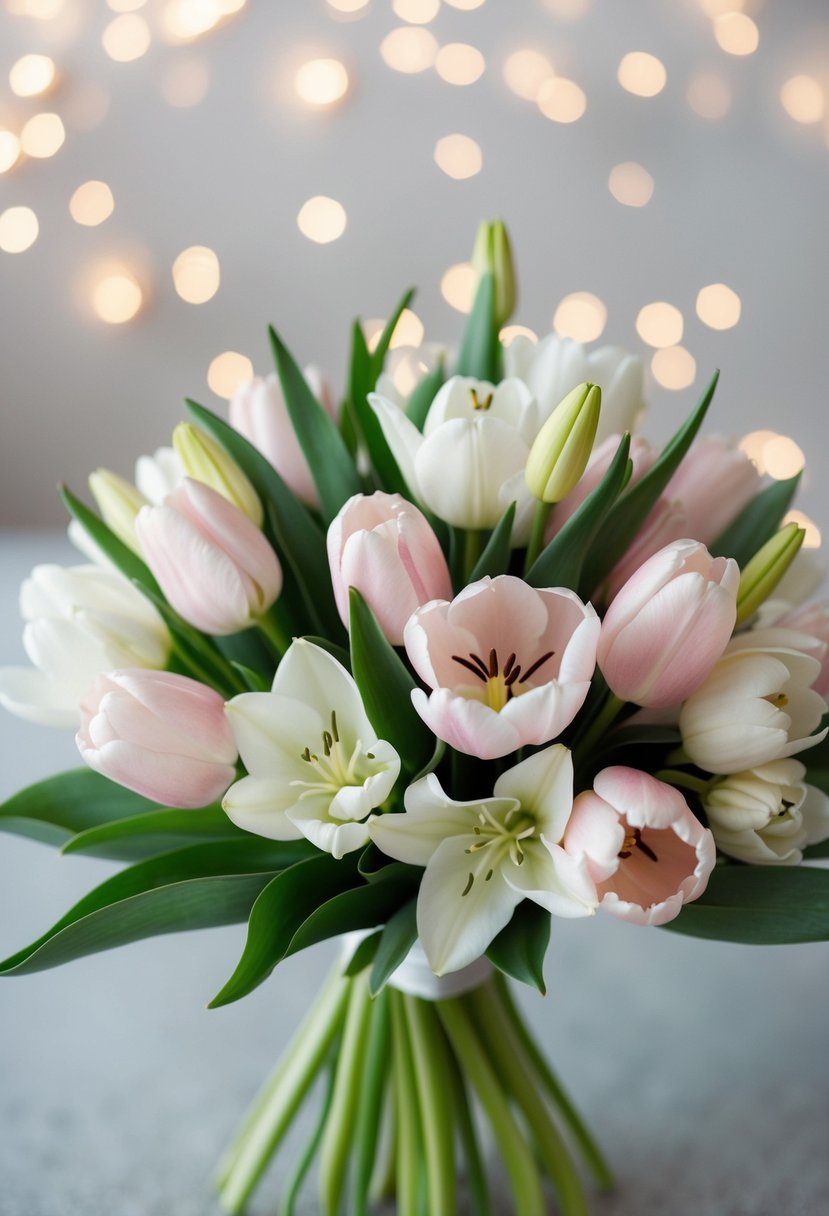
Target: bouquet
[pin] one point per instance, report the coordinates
(423, 672)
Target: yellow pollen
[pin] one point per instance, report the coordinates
(477, 403)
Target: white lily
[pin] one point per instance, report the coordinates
(316, 767)
(485, 856)
(468, 465)
(81, 621)
(767, 815)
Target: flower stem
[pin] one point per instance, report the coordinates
(685, 780)
(408, 1138)
(274, 635)
(479, 1197)
(370, 1108)
(425, 1037)
(599, 726)
(474, 543)
(539, 527)
(288, 1205)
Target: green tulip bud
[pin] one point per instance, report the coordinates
(562, 447)
(119, 501)
(761, 575)
(205, 460)
(492, 255)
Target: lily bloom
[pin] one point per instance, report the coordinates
(508, 664)
(485, 856)
(316, 767)
(642, 845)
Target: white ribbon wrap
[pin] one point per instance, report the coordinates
(415, 977)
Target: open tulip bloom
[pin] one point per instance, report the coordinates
(424, 672)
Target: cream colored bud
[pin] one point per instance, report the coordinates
(562, 448)
(119, 502)
(761, 575)
(206, 461)
(492, 254)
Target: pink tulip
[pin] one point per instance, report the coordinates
(213, 565)
(714, 482)
(664, 523)
(382, 545)
(642, 456)
(508, 664)
(162, 735)
(258, 411)
(812, 619)
(644, 849)
(669, 624)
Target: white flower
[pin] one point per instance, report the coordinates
(767, 815)
(554, 366)
(81, 621)
(483, 857)
(158, 475)
(757, 705)
(468, 465)
(316, 767)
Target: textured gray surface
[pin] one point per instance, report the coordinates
(703, 1067)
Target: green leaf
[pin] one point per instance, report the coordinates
(359, 908)
(155, 831)
(55, 810)
(396, 940)
(363, 955)
(816, 852)
(480, 352)
(760, 905)
(282, 907)
(386, 687)
(362, 380)
(496, 555)
(632, 509)
(194, 887)
(297, 537)
(423, 394)
(332, 468)
(757, 522)
(121, 556)
(519, 948)
(378, 357)
(560, 563)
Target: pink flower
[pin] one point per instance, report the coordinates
(644, 849)
(669, 624)
(214, 566)
(382, 545)
(812, 619)
(664, 523)
(508, 664)
(714, 482)
(163, 735)
(642, 456)
(258, 411)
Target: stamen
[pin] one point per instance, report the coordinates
(535, 666)
(334, 732)
(481, 675)
(646, 849)
(489, 874)
(510, 679)
(508, 665)
(477, 404)
(493, 664)
(327, 742)
(468, 886)
(778, 700)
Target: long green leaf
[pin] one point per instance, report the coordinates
(284, 904)
(560, 563)
(54, 810)
(156, 831)
(496, 555)
(760, 905)
(480, 352)
(359, 908)
(386, 687)
(121, 556)
(362, 379)
(519, 949)
(157, 896)
(396, 940)
(329, 460)
(423, 394)
(757, 522)
(378, 357)
(297, 536)
(633, 507)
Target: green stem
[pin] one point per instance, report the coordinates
(507, 1053)
(196, 671)
(678, 756)
(372, 1087)
(425, 1037)
(479, 1197)
(340, 1128)
(474, 1059)
(384, 1178)
(685, 780)
(474, 543)
(605, 718)
(558, 1095)
(539, 527)
(408, 1137)
(273, 633)
(288, 1205)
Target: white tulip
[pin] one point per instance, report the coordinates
(757, 705)
(767, 815)
(158, 475)
(316, 767)
(81, 621)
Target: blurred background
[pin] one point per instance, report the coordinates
(175, 174)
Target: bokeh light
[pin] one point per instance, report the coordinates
(322, 219)
(116, 296)
(459, 156)
(709, 96)
(561, 100)
(812, 538)
(416, 12)
(783, 458)
(227, 372)
(9, 150)
(510, 332)
(42, 136)
(457, 286)
(184, 83)
(38, 10)
(642, 74)
(32, 75)
(126, 38)
(196, 274)
(673, 367)
(125, 6)
(18, 229)
(466, 5)
(409, 49)
(408, 331)
(569, 10)
(754, 446)
(91, 204)
(581, 316)
(736, 33)
(321, 82)
(630, 184)
(459, 63)
(349, 8)
(525, 71)
(718, 306)
(660, 324)
(802, 99)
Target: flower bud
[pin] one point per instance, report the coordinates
(214, 566)
(492, 255)
(119, 502)
(767, 815)
(562, 448)
(384, 546)
(761, 575)
(162, 735)
(205, 460)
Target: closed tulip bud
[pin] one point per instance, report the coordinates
(492, 255)
(562, 448)
(119, 503)
(205, 460)
(767, 815)
(214, 566)
(382, 545)
(761, 575)
(162, 735)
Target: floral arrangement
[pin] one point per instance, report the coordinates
(427, 672)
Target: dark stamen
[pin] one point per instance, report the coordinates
(468, 886)
(327, 742)
(646, 849)
(493, 664)
(489, 874)
(456, 658)
(508, 664)
(510, 679)
(334, 732)
(531, 670)
(306, 755)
